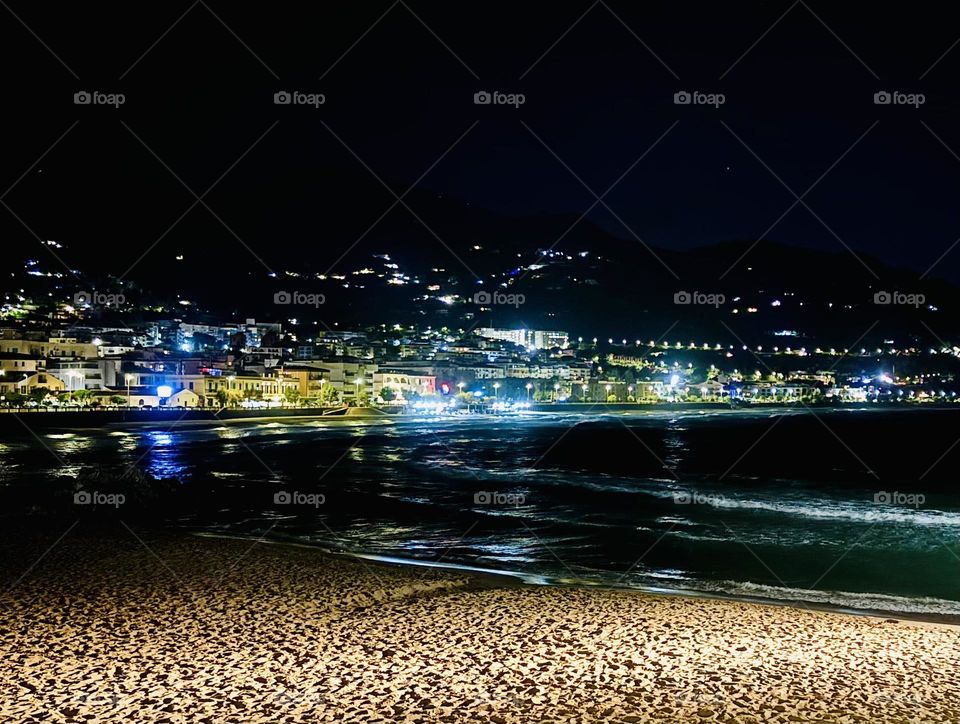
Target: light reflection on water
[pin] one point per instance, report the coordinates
(408, 489)
(159, 439)
(231, 433)
(128, 443)
(66, 471)
(73, 445)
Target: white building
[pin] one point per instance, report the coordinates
(53, 347)
(85, 374)
(404, 384)
(529, 338)
(347, 375)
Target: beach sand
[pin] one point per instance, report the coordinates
(136, 626)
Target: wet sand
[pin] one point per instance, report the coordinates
(178, 629)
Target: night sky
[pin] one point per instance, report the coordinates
(399, 80)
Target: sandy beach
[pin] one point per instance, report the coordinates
(134, 625)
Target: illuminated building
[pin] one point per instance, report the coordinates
(530, 338)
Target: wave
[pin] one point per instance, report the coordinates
(662, 581)
(816, 508)
(824, 509)
(679, 583)
(849, 600)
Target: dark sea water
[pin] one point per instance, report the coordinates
(854, 508)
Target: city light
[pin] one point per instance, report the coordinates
(235, 490)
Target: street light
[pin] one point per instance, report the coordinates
(529, 387)
(556, 392)
(584, 388)
(496, 390)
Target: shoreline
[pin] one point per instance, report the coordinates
(20, 421)
(157, 627)
(510, 579)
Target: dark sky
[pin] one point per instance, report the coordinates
(599, 80)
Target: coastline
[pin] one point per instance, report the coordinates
(20, 421)
(509, 579)
(154, 626)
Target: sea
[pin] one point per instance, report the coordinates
(852, 509)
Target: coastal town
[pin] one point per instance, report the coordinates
(78, 362)
(419, 362)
